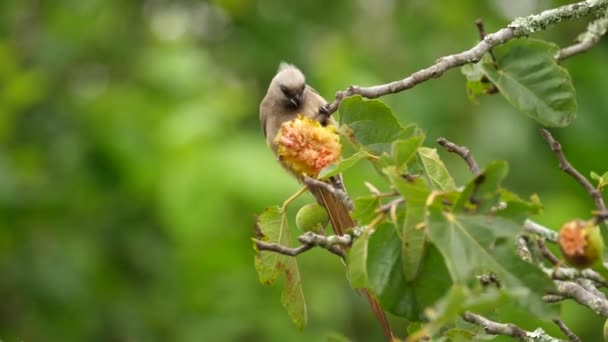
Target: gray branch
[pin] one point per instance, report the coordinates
(332, 243)
(595, 30)
(544, 232)
(582, 296)
(507, 329)
(463, 152)
(565, 166)
(562, 326)
(520, 27)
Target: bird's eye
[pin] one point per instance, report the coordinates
(285, 90)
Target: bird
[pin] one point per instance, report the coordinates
(289, 97)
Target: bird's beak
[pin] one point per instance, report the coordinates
(296, 100)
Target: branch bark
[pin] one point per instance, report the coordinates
(308, 241)
(520, 27)
(507, 329)
(565, 166)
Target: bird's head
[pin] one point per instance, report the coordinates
(289, 85)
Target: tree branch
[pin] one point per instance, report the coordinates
(595, 30)
(544, 232)
(582, 296)
(545, 252)
(571, 336)
(565, 166)
(568, 273)
(508, 329)
(462, 151)
(308, 241)
(520, 27)
(337, 191)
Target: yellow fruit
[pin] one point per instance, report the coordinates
(306, 147)
(581, 243)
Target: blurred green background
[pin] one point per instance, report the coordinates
(132, 162)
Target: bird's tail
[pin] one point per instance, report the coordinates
(341, 221)
(339, 214)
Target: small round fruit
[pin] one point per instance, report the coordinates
(581, 243)
(312, 217)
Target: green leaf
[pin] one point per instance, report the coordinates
(404, 150)
(601, 180)
(415, 193)
(435, 170)
(372, 123)
(357, 263)
(476, 84)
(460, 335)
(517, 209)
(481, 194)
(386, 280)
(365, 208)
(292, 296)
(342, 165)
(271, 226)
(459, 299)
(531, 80)
(475, 245)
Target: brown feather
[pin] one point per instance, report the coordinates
(342, 221)
(339, 215)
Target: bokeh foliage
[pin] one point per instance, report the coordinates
(131, 159)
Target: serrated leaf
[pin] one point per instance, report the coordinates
(435, 170)
(342, 165)
(481, 193)
(529, 77)
(404, 150)
(372, 122)
(415, 193)
(386, 281)
(475, 245)
(272, 227)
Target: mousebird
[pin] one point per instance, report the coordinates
(289, 99)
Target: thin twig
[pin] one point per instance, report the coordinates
(520, 27)
(565, 166)
(590, 286)
(388, 206)
(544, 232)
(595, 30)
(275, 247)
(582, 296)
(495, 328)
(571, 336)
(462, 151)
(308, 241)
(522, 248)
(553, 298)
(544, 251)
(482, 34)
(569, 273)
